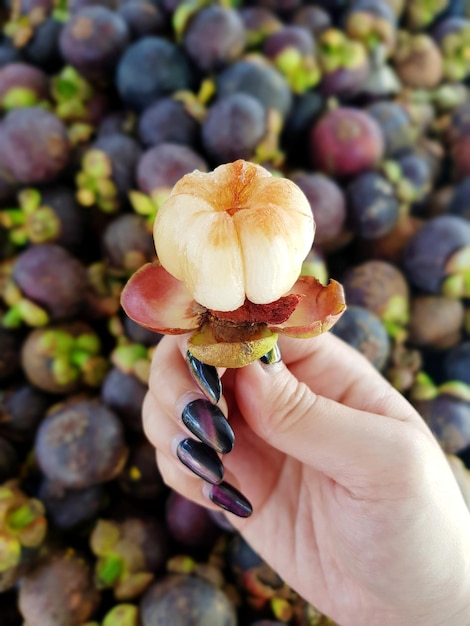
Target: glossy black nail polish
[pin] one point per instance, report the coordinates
(201, 460)
(206, 377)
(207, 422)
(273, 356)
(230, 499)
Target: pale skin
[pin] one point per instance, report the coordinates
(355, 505)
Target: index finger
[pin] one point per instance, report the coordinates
(335, 370)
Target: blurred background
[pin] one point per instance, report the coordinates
(104, 106)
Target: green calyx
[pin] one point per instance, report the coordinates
(315, 266)
(74, 357)
(336, 51)
(21, 517)
(424, 388)
(122, 615)
(449, 96)
(80, 132)
(31, 222)
(10, 552)
(371, 30)
(109, 569)
(457, 286)
(95, 186)
(186, 11)
(301, 71)
(43, 225)
(196, 104)
(119, 615)
(60, 12)
(405, 190)
(396, 315)
(94, 371)
(71, 93)
(143, 205)
(457, 283)
(20, 27)
(455, 49)
(148, 205)
(421, 13)
(181, 564)
(121, 562)
(25, 311)
(282, 609)
(455, 388)
(19, 97)
(130, 358)
(22, 524)
(268, 149)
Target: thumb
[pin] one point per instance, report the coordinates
(325, 434)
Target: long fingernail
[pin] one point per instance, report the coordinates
(273, 356)
(207, 422)
(230, 499)
(205, 376)
(201, 460)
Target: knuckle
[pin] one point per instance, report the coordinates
(292, 402)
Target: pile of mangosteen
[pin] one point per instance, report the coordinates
(104, 106)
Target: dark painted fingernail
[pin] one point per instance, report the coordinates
(273, 356)
(201, 460)
(205, 376)
(207, 422)
(230, 499)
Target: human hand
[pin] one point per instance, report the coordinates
(355, 505)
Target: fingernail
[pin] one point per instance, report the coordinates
(230, 499)
(207, 422)
(201, 460)
(205, 376)
(273, 356)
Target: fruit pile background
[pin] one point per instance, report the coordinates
(104, 105)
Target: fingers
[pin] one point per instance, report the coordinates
(175, 408)
(192, 457)
(178, 399)
(333, 369)
(345, 443)
(221, 496)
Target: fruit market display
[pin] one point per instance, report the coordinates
(105, 107)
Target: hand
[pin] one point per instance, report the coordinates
(354, 503)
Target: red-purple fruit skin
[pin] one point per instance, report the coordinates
(345, 142)
(124, 393)
(449, 419)
(71, 509)
(140, 479)
(60, 590)
(21, 409)
(184, 600)
(52, 278)
(128, 243)
(81, 444)
(163, 165)
(327, 202)
(189, 523)
(427, 252)
(214, 38)
(24, 76)
(93, 40)
(374, 284)
(34, 146)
